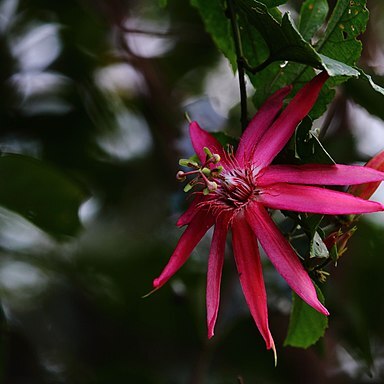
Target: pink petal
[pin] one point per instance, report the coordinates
(248, 264)
(319, 174)
(365, 191)
(187, 242)
(283, 128)
(215, 268)
(260, 123)
(302, 198)
(201, 138)
(282, 256)
(191, 211)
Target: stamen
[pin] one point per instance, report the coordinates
(180, 176)
(206, 171)
(204, 174)
(189, 163)
(208, 153)
(215, 173)
(238, 187)
(230, 150)
(191, 184)
(211, 187)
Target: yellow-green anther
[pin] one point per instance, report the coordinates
(208, 152)
(216, 158)
(188, 187)
(206, 171)
(184, 162)
(216, 171)
(188, 163)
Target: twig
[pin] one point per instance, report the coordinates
(258, 68)
(240, 64)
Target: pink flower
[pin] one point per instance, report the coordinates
(239, 188)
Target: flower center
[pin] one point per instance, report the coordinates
(237, 187)
(229, 189)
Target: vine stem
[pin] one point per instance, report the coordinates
(240, 63)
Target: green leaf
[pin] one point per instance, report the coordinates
(255, 49)
(40, 193)
(283, 40)
(272, 3)
(308, 147)
(337, 54)
(225, 140)
(365, 94)
(338, 68)
(218, 26)
(312, 16)
(306, 325)
(347, 22)
(268, 37)
(310, 223)
(375, 86)
(277, 74)
(318, 251)
(286, 43)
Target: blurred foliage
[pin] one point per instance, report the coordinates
(52, 202)
(91, 115)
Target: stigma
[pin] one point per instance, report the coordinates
(204, 176)
(238, 187)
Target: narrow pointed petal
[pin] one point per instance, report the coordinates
(201, 138)
(260, 123)
(283, 128)
(302, 198)
(248, 264)
(319, 174)
(365, 191)
(215, 268)
(282, 256)
(191, 211)
(188, 241)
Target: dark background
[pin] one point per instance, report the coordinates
(96, 91)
